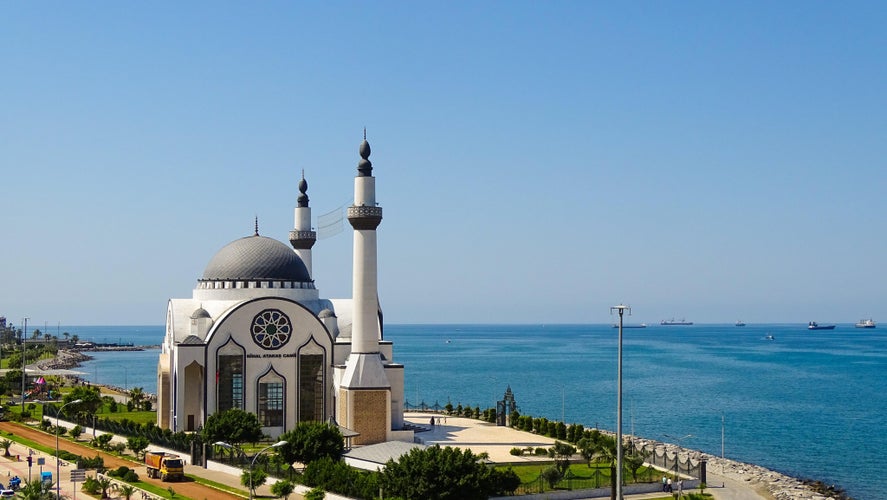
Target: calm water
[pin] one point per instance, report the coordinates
(809, 404)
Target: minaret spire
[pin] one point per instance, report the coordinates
(257, 225)
(302, 238)
(365, 389)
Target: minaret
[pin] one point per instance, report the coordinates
(364, 400)
(302, 238)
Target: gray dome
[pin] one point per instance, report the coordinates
(256, 258)
(200, 313)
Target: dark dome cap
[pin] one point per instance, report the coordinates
(256, 258)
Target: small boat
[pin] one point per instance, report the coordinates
(816, 326)
(866, 323)
(770, 337)
(642, 325)
(740, 323)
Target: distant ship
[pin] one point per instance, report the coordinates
(642, 325)
(740, 323)
(770, 337)
(816, 326)
(674, 322)
(866, 323)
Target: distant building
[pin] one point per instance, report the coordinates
(256, 335)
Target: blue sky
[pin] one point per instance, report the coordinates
(537, 161)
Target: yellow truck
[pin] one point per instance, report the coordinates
(166, 466)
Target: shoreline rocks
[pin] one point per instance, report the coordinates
(64, 360)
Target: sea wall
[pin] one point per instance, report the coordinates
(766, 482)
(64, 360)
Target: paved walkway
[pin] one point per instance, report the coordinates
(497, 442)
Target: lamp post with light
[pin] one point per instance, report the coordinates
(619, 458)
(253, 463)
(58, 459)
(679, 440)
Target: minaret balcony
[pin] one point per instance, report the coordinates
(364, 217)
(302, 239)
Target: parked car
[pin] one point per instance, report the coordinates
(7, 494)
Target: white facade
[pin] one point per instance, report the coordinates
(255, 335)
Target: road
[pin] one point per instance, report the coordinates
(184, 489)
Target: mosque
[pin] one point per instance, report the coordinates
(255, 335)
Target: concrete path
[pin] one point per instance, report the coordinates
(497, 442)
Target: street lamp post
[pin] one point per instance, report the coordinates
(679, 440)
(253, 463)
(58, 459)
(24, 334)
(619, 459)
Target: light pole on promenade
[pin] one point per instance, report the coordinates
(58, 459)
(619, 459)
(679, 440)
(253, 463)
(24, 334)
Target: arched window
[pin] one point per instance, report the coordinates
(271, 399)
(312, 363)
(229, 376)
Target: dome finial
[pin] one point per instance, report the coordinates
(365, 166)
(257, 225)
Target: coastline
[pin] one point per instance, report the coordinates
(765, 482)
(69, 359)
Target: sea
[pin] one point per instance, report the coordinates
(810, 404)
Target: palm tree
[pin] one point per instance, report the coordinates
(35, 490)
(126, 491)
(5, 444)
(105, 484)
(66, 334)
(137, 396)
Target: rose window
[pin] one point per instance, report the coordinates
(271, 329)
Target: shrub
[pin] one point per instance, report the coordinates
(315, 494)
(541, 451)
(131, 476)
(119, 472)
(551, 476)
(516, 451)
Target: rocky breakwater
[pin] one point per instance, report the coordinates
(766, 482)
(65, 359)
(778, 486)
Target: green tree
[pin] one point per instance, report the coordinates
(102, 442)
(75, 432)
(310, 441)
(561, 453)
(35, 490)
(104, 484)
(315, 494)
(283, 489)
(233, 426)
(601, 448)
(438, 473)
(552, 475)
(253, 479)
(138, 444)
(137, 396)
(5, 444)
(90, 401)
(634, 461)
(127, 491)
